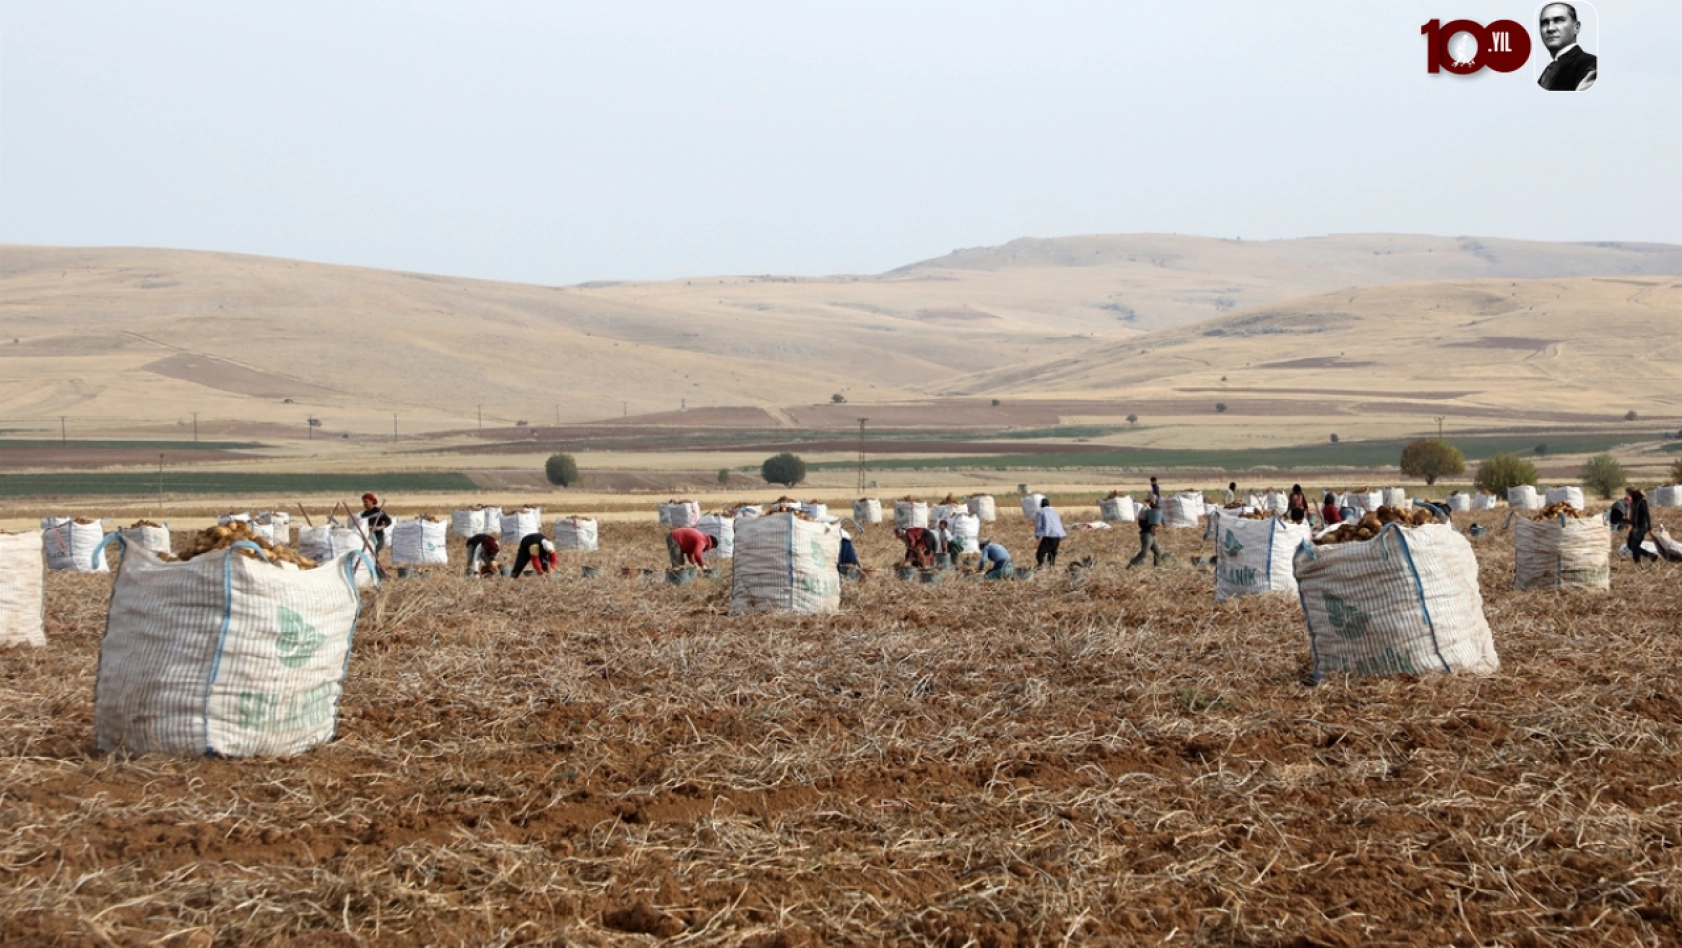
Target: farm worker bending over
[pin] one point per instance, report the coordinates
(1048, 528)
(919, 546)
(482, 549)
(1150, 520)
(537, 552)
(686, 545)
(995, 559)
(849, 555)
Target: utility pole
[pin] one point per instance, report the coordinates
(394, 424)
(63, 436)
(1439, 427)
(195, 426)
(861, 455)
(160, 482)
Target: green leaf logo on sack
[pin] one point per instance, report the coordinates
(1347, 621)
(1233, 547)
(298, 639)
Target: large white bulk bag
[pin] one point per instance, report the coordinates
(1524, 497)
(228, 518)
(467, 524)
(73, 546)
(966, 530)
(1404, 602)
(983, 506)
(1183, 509)
(1669, 495)
(1396, 497)
(1484, 500)
(867, 510)
(154, 537)
(747, 510)
(224, 655)
(1366, 501)
(519, 524)
(722, 529)
(493, 521)
(1276, 502)
(576, 535)
(811, 508)
(328, 542)
(264, 530)
(1031, 505)
(680, 513)
(939, 512)
(22, 590)
(420, 542)
(1118, 509)
(786, 564)
(1569, 495)
(1457, 501)
(910, 513)
(1254, 556)
(280, 526)
(1562, 551)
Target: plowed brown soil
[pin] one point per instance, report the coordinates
(1112, 759)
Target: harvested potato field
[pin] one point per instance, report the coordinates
(1103, 759)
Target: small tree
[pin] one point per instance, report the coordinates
(1630, 415)
(837, 399)
(561, 469)
(1220, 406)
(1334, 437)
(724, 476)
(1132, 419)
(1603, 475)
(785, 469)
(1676, 471)
(1431, 459)
(1541, 449)
(1503, 472)
(995, 403)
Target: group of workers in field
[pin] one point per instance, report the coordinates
(924, 546)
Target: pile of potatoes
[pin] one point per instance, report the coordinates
(1561, 509)
(226, 535)
(1369, 526)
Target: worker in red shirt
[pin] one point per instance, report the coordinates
(686, 545)
(537, 552)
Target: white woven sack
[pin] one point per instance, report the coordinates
(1254, 556)
(1118, 509)
(493, 521)
(155, 539)
(576, 535)
(22, 590)
(722, 529)
(910, 513)
(1569, 495)
(748, 510)
(813, 509)
(1366, 501)
(867, 510)
(1183, 509)
(1669, 495)
(966, 529)
(786, 564)
(1276, 501)
(264, 530)
(519, 524)
(1667, 545)
(1404, 602)
(1524, 497)
(983, 506)
(1483, 500)
(228, 518)
(1031, 505)
(328, 542)
(280, 523)
(939, 512)
(1562, 551)
(74, 547)
(683, 513)
(420, 542)
(467, 524)
(224, 655)
(1458, 502)
(1395, 497)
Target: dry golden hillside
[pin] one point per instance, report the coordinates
(136, 340)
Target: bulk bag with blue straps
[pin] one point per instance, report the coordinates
(1405, 602)
(1562, 551)
(22, 589)
(1254, 556)
(224, 654)
(785, 563)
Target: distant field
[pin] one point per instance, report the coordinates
(1355, 454)
(226, 482)
(128, 445)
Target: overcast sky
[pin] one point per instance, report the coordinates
(556, 142)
